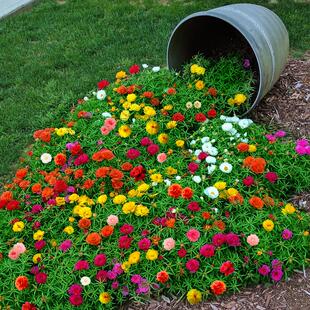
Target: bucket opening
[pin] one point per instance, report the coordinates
(213, 38)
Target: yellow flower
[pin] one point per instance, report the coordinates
(119, 199)
(37, 258)
(126, 105)
(141, 211)
(157, 177)
(83, 199)
(143, 187)
(149, 111)
(199, 85)
(239, 99)
(126, 266)
(120, 75)
(60, 201)
(151, 254)
(53, 243)
(232, 192)
(135, 107)
(268, 225)
(131, 97)
(163, 138)
(171, 171)
(306, 233)
(85, 212)
(18, 226)
(220, 185)
(129, 207)
(259, 253)
(105, 298)
(124, 131)
(124, 116)
(288, 209)
(132, 193)
(171, 124)
(168, 107)
(76, 210)
(152, 127)
(69, 230)
(102, 199)
(200, 70)
(134, 257)
(194, 296)
(231, 101)
(194, 68)
(38, 235)
(71, 219)
(179, 143)
(252, 148)
(61, 131)
(74, 197)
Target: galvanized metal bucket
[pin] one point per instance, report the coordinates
(216, 31)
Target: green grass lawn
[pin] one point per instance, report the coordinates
(55, 52)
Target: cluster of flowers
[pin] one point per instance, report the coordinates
(147, 187)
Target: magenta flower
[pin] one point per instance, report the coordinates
(272, 177)
(144, 244)
(192, 167)
(194, 206)
(76, 300)
(264, 270)
(65, 246)
(287, 234)
(276, 274)
(207, 250)
(248, 181)
(126, 229)
(233, 240)
(81, 265)
(192, 265)
(145, 141)
(218, 239)
(136, 278)
(100, 260)
(133, 153)
(102, 276)
(40, 244)
(40, 277)
(153, 149)
(115, 285)
(280, 134)
(75, 289)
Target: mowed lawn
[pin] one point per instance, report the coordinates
(56, 51)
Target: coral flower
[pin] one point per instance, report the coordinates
(107, 231)
(193, 235)
(162, 276)
(218, 287)
(93, 239)
(256, 202)
(21, 283)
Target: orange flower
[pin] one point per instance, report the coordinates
(170, 223)
(102, 172)
(93, 239)
(187, 193)
(21, 173)
(21, 283)
(155, 240)
(242, 147)
(236, 199)
(47, 193)
(117, 184)
(116, 174)
(7, 196)
(24, 184)
(175, 190)
(88, 184)
(107, 231)
(268, 201)
(248, 161)
(36, 188)
(78, 173)
(256, 202)
(104, 154)
(84, 223)
(162, 276)
(126, 166)
(68, 171)
(258, 165)
(206, 215)
(219, 224)
(218, 287)
(60, 159)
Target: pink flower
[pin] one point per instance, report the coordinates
(13, 254)
(194, 206)
(276, 274)
(161, 157)
(112, 220)
(76, 300)
(252, 240)
(280, 134)
(144, 244)
(81, 265)
(207, 250)
(133, 154)
(193, 235)
(192, 265)
(169, 244)
(110, 123)
(19, 248)
(192, 167)
(104, 130)
(145, 141)
(100, 260)
(270, 138)
(65, 246)
(264, 270)
(152, 149)
(272, 177)
(75, 289)
(126, 229)
(248, 181)
(41, 277)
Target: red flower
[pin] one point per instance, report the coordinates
(200, 117)
(134, 69)
(60, 159)
(212, 91)
(103, 84)
(193, 206)
(212, 113)
(75, 149)
(76, 300)
(187, 193)
(148, 94)
(227, 268)
(175, 190)
(21, 283)
(171, 91)
(182, 252)
(178, 117)
(28, 306)
(12, 205)
(138, 173)
(155, 101)
(102, 172)
(218, 287)
(60, 186)
(162, 276)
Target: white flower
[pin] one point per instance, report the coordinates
(206, 147)
(237, 135)
(222, 117)
(216, 210)
(211, 192)
(205, 139)
(101, 94)
(226, 167)
(213, 151)
(233, 131)
(189, 105)
(233, 119)
(227, 126)
(197, 152)
(156, 69)
(133, 120)
(167, 182)
(192, 142)
(197, 104)
(154, 183)
(210, 160)
(85, 281)
(197, 179)
(86, 98)
(245, 123)
(178, 177)
(106, 114)
(191, 151)
(46, 158)
(245, 140)
(211, 168)
(144, 66)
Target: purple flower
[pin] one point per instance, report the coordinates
(125, 290)
(136, 278)
(65, 246)
(117, 268)
(276, 274)
(264, 270)
(246, 63)
(276, 264)
(280, 134)
(271, 138)
(287, 234)
(34, 270)
(70, 189)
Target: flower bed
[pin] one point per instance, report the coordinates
(149, 188)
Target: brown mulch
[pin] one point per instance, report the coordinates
(287, 107)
